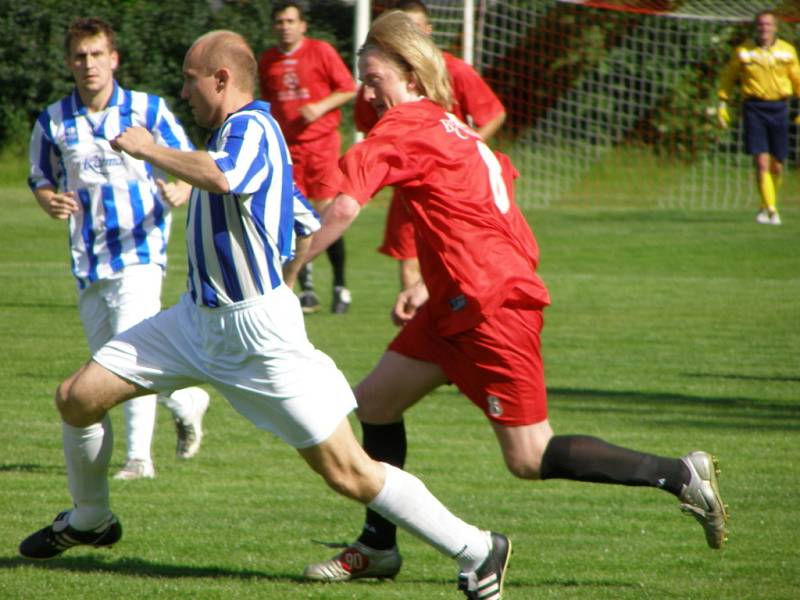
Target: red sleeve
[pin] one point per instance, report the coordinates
(378, 161)
(364, 116)
(339, 76)
(263, 75)
(474, 97)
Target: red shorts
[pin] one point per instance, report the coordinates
(497, 365)
(398, 236)
(312, 164)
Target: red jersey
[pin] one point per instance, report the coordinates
(476, 251)
(311, 72)
(472, 98)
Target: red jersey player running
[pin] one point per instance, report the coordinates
(473, 102)
(306, 83)
(476, 319)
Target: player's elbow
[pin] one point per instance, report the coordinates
(218, 184)
(344, 209)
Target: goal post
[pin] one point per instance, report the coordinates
(613, 102)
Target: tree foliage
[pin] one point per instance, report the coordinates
(152, 38)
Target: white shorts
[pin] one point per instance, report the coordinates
(255, 353)
(112, 305)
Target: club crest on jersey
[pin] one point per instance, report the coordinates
(71, 135)
(495, 408)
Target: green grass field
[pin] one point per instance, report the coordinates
(669, 331)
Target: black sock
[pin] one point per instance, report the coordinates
(305, 278)
(336, 256)
(585, 458)
(386, 443)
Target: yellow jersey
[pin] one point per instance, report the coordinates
(764, 73)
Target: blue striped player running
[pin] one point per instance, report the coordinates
(118, 209)
(239, 328)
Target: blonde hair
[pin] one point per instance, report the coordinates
(400, 42)
(222, 48)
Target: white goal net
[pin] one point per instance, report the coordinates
(612, 102)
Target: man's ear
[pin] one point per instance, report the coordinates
(223, 77)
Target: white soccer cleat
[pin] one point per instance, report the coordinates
(775, 218)
(136, 468)
(701, 499)
(190, 431)
(357, 561)
(762, 217)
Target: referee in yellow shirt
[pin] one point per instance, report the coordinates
(768, 72)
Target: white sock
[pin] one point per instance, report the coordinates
(140, 421)
(406, 501)
(181, 403)
(87, 452)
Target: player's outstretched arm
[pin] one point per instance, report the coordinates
(335, 220)
(174, 193)
(196, 168)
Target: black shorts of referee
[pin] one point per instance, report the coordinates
(766, 127)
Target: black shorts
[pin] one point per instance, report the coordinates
(766, 127)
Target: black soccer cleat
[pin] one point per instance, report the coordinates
(341, 300)
(57, 537)
(309, 302)
(486, 582)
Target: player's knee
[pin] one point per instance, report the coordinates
(374, 409)
(74, 407)
(62, 393)
(524, 468)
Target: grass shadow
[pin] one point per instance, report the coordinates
(30, 468)
(690, 411)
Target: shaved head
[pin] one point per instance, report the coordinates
(226, 49)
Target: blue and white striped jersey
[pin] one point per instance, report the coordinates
(306, 219)
(306, 222)
(235, 241)
(122, 220)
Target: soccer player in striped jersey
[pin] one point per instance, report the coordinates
(238, 327)
(118, 209)
(476, 319)
(306, 82)
(767, 70)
